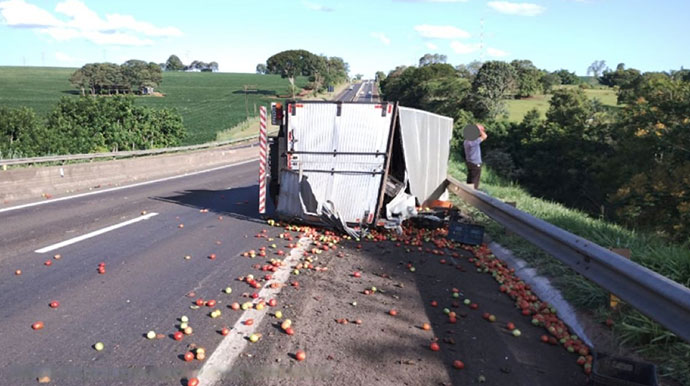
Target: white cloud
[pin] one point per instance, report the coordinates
(461, 48)
(380, 36)
(117, 22)
(431, 46)
(496, 52)
(317, 7)
(82, 22)
(521, 9)
(441, 31)
(19, 14)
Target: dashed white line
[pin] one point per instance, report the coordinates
(94, 233)
(221, 361)
(123, 187)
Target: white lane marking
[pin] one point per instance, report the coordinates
(220, 363)
(94, 233)
(124, 187)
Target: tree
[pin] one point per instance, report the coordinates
(174, 64)
(548, 81)
(359, 76)
(528, 77)
(380, 76)
(596, 68)
(567, 77)
(138, 74)
(292, 63)
(653, 157)
(492, 84)
(432, 59)
(261, 69)
(337, 70)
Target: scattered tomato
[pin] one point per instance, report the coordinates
(300, 355)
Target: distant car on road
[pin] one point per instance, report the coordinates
(368, 93)
(351, 87)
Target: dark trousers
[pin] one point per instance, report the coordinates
(474, 171)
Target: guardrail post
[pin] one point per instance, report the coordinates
(514, 205)
(614, 300)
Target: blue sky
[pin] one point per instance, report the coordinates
(370, 35)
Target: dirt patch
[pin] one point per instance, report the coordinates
(350, 337)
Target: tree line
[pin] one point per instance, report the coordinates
(174, 63)
(87, 125)
(323, 71)
(628, 164)
(133, 76)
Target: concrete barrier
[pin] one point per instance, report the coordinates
(35, 182)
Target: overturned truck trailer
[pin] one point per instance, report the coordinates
(356, 164)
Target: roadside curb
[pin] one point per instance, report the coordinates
(544, 290)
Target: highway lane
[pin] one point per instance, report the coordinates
(349, 94)
(364, 91)
(145, 284)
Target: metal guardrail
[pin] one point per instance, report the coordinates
(119, 154)
(654, 295)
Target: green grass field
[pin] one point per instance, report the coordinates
(208, 102)
(517, 108)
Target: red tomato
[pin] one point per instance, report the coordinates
(193, 382)
(189, 356)
(300, 355)
(434, 346)
(458, 364)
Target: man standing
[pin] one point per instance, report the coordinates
(474, 135)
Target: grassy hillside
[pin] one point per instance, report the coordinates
(517, 108)
(208, 102)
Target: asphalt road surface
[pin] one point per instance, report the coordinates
(144, 288)
(361, 92)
